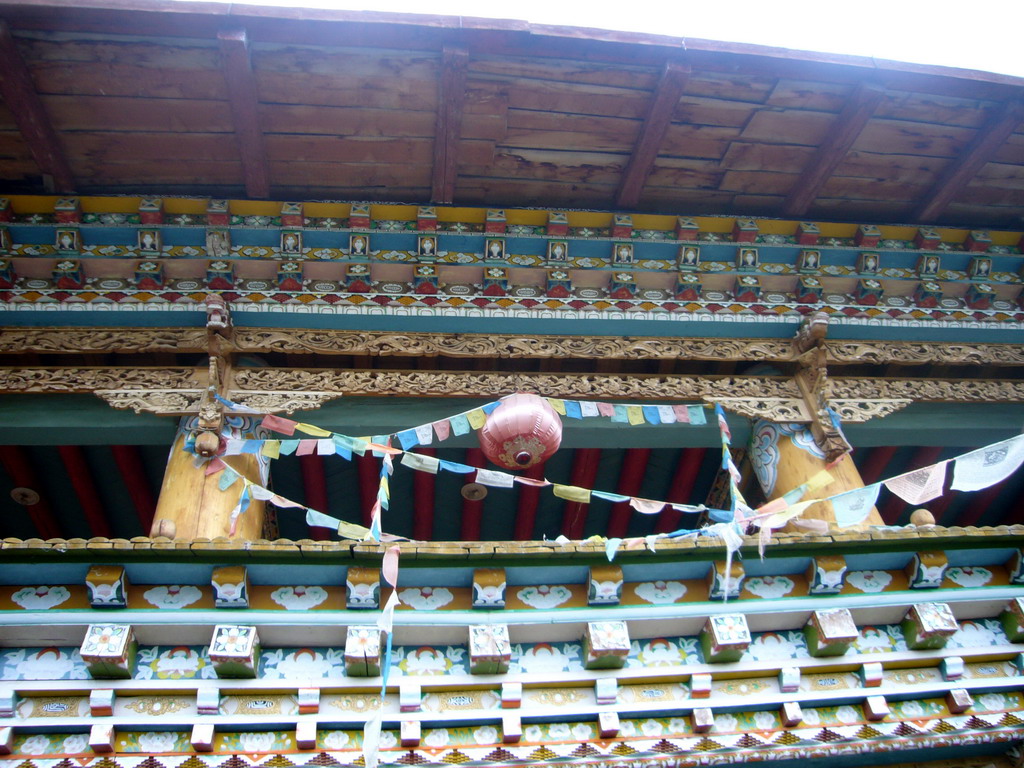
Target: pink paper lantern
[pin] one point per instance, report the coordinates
(524, 430)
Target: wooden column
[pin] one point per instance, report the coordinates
(192, 506)
(784, 457)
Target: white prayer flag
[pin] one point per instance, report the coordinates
(325, 447)
(854, 506)
(425, 434)
(494, 479)
(371, 739)
(989, 465)
(588, 408)
(419, 461)
(921, 485)
(667, 413)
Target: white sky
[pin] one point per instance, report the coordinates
(971, 34)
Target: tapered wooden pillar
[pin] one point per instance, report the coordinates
(785, 456)
(192, 506)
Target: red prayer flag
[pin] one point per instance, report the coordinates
(279, 424)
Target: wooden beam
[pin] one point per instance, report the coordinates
(85, 489)
(584, 472)
(20, 97)
(526, 510)
(631, 478)
(830, 153)
(450, 104)
(423, 501)
(472, 511)
(244, 100)
(134, 476)
(959, 173)
(314, 483)
(18, 467)
(659, 115)
(681, 492)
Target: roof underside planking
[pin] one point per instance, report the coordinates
(229, 100)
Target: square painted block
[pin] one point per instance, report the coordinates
(220, 274)
(107, 586)
(952, 668)
(980, 268)
(426, 218)
(608, 725)
(359, 216)
(230, 586)
(292, 215)
(362, 588)
(425, 279)
(358, 246)
(496, 222)
(1012, 619)
(869, 262)
(700, 685)
(558, 224)
(101, 702)
(927, 626)
(605, 585)
(558, 252)
(489, 649)
(68, 242)
(496, 281)
(725, 638)
(606, 690)
(747, 288)
(745, 231)
(977, 241)
(308, 700)
(357, 278)
(622, 225)
(149, 242)
(747, 259)
(605, 645)
(791, 714)
(218, 243)
(289, 276)
(622, 285)
(101, 739)
(688, 287)
(926, 570)
(410, 733)
(489, 588)
(305, 734)
(928, 293)
(702, 719)
(722, 585)
(622, 253)
(980, 295)
(208, 701)
(809, 261)
(151, 210)
(928, 265)
(494, 249)
(67, 210)
(291, 242)
(830, 632)
(218, 213)
(150, 275)
(789, 679)
(109, 650)
(426, 249)
(826, 574)
(689, 258)
(871, 674)
(235, 651)
(410, 696)
(876, 708)
(687, 229)
(927, 239)
(363, 650)
(958, 701)
(807, 233)
(511, 728)
(867, 236)
(808, 290)
(202, 737)
(559, 284)
(68, 273)
(511, 695)
(868, 291)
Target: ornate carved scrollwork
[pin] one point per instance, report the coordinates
(159, 401)
(275, 402)
(776, 409)
(859, 411)
(911, 352)
(91, 379)
(933, 390)
(124, 340)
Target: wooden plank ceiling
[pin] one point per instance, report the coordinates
(230, 101)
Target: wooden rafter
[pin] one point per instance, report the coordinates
(450, 104)
(659, 115)
(19, 94)
(830, 153)
(959, 173)
(237, 68)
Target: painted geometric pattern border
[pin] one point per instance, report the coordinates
(734, 737)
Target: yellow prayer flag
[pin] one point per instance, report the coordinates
(558, 405)
(271, 449)
(571, 493)
(818, 481)
(476, 418)
(635, 413)
(352, 531)
(312, 429)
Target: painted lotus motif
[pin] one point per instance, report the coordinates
(40, 598)
(299, 598)
(303, 663)
(178, 663)
(660, 592)
(977, 634)
(35, 745)
(880, 640)
(426, 598)
(173, 596)
(546, 658)
(429, 661)
(44, 664)
(769, 587)
(157, 741)
(967, 576)
(659, 652)
(336, 740)
(869, 581)
(544, 596)
(771, 646)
